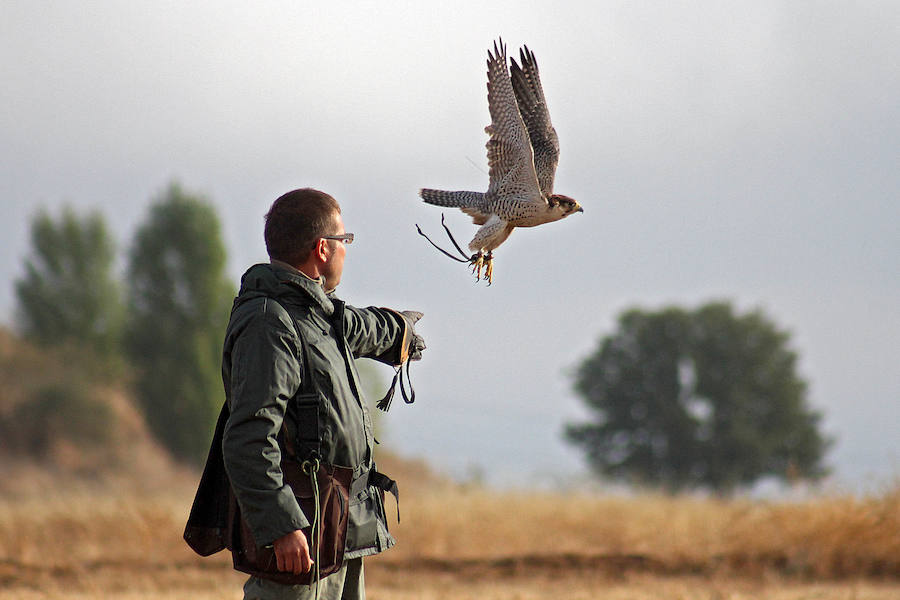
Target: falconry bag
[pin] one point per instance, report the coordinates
(215, 521)
(321, 490)
(322, 493)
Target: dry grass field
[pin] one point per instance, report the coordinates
(112, 542)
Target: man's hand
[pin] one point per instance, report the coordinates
(292, 553)
(417, 342)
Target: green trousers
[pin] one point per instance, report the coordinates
(347, 584)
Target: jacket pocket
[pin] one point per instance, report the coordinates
(369, 533)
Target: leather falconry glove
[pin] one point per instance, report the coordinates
(416, 342)
(414, 350)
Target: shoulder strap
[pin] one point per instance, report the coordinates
(303, 408)
(306, 386)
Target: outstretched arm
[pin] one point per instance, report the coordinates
(383, 334)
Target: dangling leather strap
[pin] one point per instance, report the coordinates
(385, 403)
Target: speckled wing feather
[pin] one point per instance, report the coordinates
(526, 84)
(512, 176)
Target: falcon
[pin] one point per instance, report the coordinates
(522, 151)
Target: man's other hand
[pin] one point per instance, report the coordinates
(292, 553)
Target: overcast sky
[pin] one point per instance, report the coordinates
(722, 150)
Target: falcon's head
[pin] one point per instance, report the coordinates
(564, 205)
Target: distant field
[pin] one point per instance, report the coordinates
(473, 543)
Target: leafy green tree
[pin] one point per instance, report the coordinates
(69, 295)
(179, 299)
(697, 399)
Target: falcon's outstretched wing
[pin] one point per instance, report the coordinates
(526, 83)
(510, 158)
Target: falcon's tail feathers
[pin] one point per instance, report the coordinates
(451, 199)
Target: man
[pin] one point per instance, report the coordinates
(289, 334)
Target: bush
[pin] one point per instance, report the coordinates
(60, 413)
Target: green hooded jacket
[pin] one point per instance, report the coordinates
(265, 373)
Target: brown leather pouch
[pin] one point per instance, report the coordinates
(330, 540)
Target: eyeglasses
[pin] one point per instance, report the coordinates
(346, 238)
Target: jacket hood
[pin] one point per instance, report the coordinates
(273, 281)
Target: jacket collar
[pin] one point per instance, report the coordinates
(277, 280)
(298, 280)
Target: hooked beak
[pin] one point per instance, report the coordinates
(578, 208)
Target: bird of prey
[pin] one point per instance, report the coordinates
(523, 151)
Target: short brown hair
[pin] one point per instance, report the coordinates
(295, 221)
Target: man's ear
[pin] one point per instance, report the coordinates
(321, 250)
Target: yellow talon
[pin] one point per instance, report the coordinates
(477, 263)
(483, 261)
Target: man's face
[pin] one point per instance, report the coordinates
(334, 266)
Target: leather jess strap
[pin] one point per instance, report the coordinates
(385, 403)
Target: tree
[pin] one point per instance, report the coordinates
(68, 294)
(697, 399)
(179, 301)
